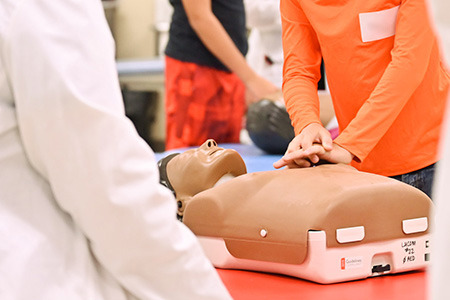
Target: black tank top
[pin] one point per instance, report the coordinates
(184, 43)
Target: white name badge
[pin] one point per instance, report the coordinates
(378, 25)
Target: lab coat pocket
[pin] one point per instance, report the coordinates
(378, 25)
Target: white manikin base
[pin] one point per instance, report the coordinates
(331, 265)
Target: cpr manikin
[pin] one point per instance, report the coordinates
(327, 224)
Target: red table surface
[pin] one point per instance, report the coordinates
(247, 285)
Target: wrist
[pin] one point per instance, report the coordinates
(347, 156)
(247, 75)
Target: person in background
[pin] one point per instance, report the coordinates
(268, 124)
(265, 52)
(440, 243)
(82, 214)
(386, 80)
(207, 76)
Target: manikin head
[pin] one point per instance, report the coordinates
(196, 170)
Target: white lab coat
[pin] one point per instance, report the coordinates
(264, 22)
(82, 215)
(440, 260)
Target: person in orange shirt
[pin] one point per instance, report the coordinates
(386, 79)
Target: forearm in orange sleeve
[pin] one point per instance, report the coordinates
(301, 71)
(414, 40)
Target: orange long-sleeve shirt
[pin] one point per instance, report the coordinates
(384, 72)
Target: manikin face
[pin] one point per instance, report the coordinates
(199, 169)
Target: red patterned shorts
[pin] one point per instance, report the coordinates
(202, 103)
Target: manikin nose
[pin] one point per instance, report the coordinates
(209, 144)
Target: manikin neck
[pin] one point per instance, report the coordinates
(224, 178)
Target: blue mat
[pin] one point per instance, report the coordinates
(255, 159)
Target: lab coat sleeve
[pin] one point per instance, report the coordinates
(301, 70)
(439, 276)
(60, 63)
(262, 13)
(413, 44)
(441, 13)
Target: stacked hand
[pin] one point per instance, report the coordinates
(313, 144)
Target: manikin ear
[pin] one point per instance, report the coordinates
(181, 205)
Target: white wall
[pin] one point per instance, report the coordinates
(134, 29)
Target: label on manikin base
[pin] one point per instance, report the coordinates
(351, 262)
